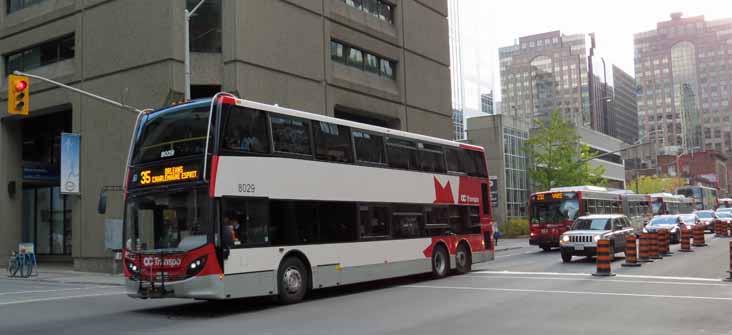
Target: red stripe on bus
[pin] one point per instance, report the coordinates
(212, 180)
(227, 100)
(472, 147)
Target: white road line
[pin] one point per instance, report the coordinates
(579, 274)
(59, 298)
(689, 297)
(602, 280)
(49, 291)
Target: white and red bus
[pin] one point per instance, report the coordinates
(228, 198)
(551, 213)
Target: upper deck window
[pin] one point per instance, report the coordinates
(172, 133)
(245, 129)
(291, 135)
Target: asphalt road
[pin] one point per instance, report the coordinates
(524, 291)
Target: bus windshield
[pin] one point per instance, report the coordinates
(554, 211)
(167, 221)
(172, 133)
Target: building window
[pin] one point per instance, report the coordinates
(205, 30)
(362, 60)
(16, 5)
(376, 8)
(40, 55)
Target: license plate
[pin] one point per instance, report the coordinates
(579, 247)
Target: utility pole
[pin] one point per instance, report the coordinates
(187, 51)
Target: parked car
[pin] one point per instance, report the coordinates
(581, 239)
(674, 223)
(708, 217)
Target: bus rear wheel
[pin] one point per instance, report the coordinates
(292, 283)
(462, 259)
(440, 262)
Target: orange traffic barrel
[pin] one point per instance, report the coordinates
(631, 255)
(603, 258)
(685, 240)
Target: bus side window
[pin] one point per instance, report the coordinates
(333, 142)
(291, 135)
(245, 222)
(245, 129)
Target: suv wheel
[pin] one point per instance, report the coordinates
(566, 257)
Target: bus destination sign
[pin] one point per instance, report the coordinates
(165, 175)
(553, 196)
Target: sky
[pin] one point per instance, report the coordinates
(500, 23)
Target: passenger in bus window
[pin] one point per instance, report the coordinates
(230, 231)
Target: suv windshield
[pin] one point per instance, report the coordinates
(550, 212)
(592, 224)
(171, 221)
(704, 215)
(172, 134)
(663, 220)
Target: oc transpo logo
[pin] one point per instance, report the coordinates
(156, 261)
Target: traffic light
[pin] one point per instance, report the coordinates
(18, 94)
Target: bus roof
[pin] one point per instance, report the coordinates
(363, 126)
(578, 188)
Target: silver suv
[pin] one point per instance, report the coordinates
(581, 239)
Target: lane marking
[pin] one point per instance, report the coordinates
(59, 298)
(603, 280)
(665, 296)
(49, 291)
(580, 274)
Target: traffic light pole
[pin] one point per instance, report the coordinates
(80, 91)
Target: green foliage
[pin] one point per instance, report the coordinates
(515, 227)
(656, 184)
(559, 159)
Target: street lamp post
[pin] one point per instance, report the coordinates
(187, 51)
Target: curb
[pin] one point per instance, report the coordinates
(507, 248)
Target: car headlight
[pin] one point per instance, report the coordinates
(565, 238)
(645, 230)
(597, 238)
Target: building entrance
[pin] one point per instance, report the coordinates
(46, 217)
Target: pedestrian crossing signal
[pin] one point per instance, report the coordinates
(18, 94)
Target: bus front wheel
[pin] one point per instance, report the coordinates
(293, 280)
(440, 262)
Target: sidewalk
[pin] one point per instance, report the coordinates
(505, 244)
(65, 274)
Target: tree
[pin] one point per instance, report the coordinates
(559, 159)
(656, 184)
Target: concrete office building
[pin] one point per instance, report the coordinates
(684, 73)
(503, 137)
(551, 71)
(379, 61)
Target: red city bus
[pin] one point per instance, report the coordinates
(551, 213)
(228, 198)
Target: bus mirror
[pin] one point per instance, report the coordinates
(102, 206)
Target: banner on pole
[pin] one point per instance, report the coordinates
(70, 148)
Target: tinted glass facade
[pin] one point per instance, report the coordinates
(683, 70)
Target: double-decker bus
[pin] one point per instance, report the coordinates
(551, 213)
(665, 203)
(705, 198)
(228, 198)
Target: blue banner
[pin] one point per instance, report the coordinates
(70, 148)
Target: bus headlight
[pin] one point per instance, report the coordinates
(196, 266)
